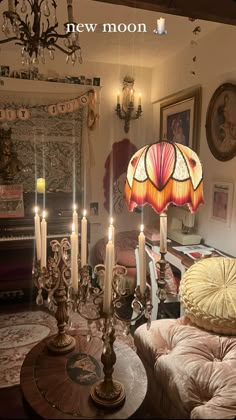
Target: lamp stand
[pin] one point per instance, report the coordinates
(161, 293)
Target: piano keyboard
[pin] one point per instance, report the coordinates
(32, 237)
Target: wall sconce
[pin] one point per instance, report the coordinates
(125, 109)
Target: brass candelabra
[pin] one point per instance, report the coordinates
(55, 279)
(108, 392)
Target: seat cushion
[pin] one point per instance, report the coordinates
(192, 371)
(208, 293)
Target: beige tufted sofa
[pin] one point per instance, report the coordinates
(191, 366)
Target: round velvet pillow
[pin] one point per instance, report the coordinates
(208, 293)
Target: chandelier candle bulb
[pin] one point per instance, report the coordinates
(84, 240)
(37, 234)
(139, 99)
(109, 264)
(74, 258)
(161, 25)
(75, 220)
(10, 6)
(142, 260)
(70, 11)
(163, 232)
(43, 241)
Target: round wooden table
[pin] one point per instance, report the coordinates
(58, 386)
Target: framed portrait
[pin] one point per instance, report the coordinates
(222, 201)
(180, 118)
(221, 122)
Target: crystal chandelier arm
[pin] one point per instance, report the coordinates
(68, 52)
(13, 38)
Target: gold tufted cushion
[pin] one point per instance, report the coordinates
(208, 293)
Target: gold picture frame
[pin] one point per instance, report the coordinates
(221, 122)
(180, 118)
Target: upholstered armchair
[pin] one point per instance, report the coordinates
(191, 361)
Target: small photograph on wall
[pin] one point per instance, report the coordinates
(96, 81)
(11, 201)
(222, 200)
(94, 209)
(5, 71)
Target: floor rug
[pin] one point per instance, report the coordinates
(20, 332)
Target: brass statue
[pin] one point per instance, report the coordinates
(10, 165)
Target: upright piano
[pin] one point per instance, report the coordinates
(17, 240)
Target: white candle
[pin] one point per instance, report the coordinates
(118, 98)
(142, 260)
(37, 234)
(75, 220)
(74, 259)
(40, 185)
(161, 25)
(163, 232)
(132, 96)
(84, 240)
(139, 99)
(112, 230)
(109, 265)
(43, 242)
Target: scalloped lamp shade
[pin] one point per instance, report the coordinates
(163, 173)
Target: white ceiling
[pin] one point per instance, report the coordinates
(137, 49)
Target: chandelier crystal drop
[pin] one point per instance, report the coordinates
(33, 24)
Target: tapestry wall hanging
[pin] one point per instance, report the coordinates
(45, 146)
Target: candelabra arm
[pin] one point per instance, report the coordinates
(108, 392)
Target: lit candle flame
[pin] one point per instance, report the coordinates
(141, 228)
(84, 213)
(44, 214)
(73, 227)
(111, 221)
(36, 209)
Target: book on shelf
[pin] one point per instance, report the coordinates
(199, 251)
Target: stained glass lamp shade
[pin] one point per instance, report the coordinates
(162, 173)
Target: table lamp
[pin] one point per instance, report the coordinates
(159, 174)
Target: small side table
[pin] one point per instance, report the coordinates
(58, 386)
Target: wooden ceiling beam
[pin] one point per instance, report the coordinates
(212, 10)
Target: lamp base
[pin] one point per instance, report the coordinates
(108, 394)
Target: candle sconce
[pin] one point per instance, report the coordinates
(125, 111)
(55, 279)
(88, 301)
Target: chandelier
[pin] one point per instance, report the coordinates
(32, 24)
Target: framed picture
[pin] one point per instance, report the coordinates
(5, 71)
(96, 81)
(221, 122)
(94, 209)
(180, 118)
(222, 201)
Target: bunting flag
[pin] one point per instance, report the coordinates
(64, 107)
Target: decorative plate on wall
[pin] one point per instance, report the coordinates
(221, 122)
